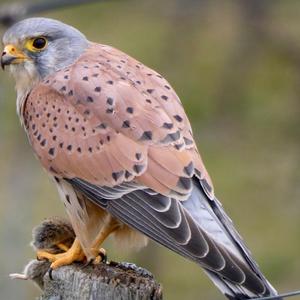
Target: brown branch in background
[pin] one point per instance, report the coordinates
(11, 13)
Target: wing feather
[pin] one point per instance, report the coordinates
(109, 122)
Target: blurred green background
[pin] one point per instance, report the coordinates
(236, 67)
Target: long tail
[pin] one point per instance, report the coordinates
(211, 217)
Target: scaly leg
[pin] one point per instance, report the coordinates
(75, 253)
(109, 227)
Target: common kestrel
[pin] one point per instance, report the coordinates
(115, 138)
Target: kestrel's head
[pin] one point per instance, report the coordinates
(37, 47)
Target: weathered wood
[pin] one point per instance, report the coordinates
(119, 281)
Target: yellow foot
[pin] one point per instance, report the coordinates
(75, 253)
(63, 247)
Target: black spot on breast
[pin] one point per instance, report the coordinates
(109, 110)
(147, 135)
(126, 124)
(85, 78)
(110, 101)
(43, 142)
(70, 93)
(69, 147)
(98, 89)
(51, 151)
(164, 97)
(129, 110)
(168, 125)
(110, 82)
(150, 91)
(63, 89)
(102, 126)
(79, 150)
(178, 118)
(89, 99)
(95, 75)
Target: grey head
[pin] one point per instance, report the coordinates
(41, 46)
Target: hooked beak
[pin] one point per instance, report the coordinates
(12, 55)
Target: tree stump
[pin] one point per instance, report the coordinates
(78, 281)
(119, 281)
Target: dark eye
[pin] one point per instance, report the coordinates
(39, 43)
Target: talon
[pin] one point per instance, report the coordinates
(50, 273)
(88, 263)
(103, 255)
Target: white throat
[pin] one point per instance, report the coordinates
(26, 77)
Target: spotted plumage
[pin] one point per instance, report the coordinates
(114, 135)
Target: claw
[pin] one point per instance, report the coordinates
(50, 273)
(103, 255)
(88, 263)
